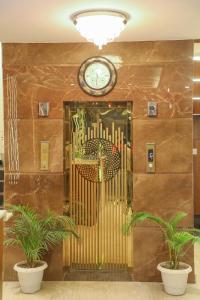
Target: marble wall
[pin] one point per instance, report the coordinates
(159, 71)
(1, 108)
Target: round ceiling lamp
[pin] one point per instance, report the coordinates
(100, 26)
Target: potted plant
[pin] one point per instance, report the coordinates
(35, 235)
(174, 273)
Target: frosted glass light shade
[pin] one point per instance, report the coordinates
(100, 27)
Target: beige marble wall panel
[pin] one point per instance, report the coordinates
(12, 255)
(30, 134)
(158, 71)
(149, 251)
(26, 144)
(163, 195)
(173, 140)
(43, 192)
(40, 191)
(54, 260)
(167, 84)
(75, 53)
(196, 107)
(51, 131)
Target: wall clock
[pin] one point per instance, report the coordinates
(97, 76)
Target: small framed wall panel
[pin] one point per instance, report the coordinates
(43, 109)
(152, 110)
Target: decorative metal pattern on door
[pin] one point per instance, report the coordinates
(98, 168)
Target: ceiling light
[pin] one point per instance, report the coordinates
(197, 58)
(196, 79)
(195, 98)
(100, 26)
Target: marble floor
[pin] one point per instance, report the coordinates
(79, 290)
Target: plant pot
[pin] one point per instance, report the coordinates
(30, 279)
(175, 281)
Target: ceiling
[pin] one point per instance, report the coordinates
(49, 20)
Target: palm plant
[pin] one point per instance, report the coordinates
(35, 234)
(178, 241)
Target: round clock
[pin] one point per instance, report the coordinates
(97, 76)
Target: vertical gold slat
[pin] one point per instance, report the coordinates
(116, 214)
(119, 203)
(89, 224)
(96, 216)
(86, 216)
(73, 202)
(70, 200)
(78, 201)
(95, 237)
(86, 219)
(92, 226)
(98, 203)
(125, 187)
(93, 216)
(76, 208)
(78, 214)
(83, 219)
(109, 249)
(89, 227)
(111, 245)
(85, 224)
(101, 212)
(107, 217)
(76, 204)
(113, 204)
(76, 197)
(105, 213)
(79, 208)
(116, 209)
(104, 207)
(122, 196)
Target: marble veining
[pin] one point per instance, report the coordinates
(160, 71)
(129, 52)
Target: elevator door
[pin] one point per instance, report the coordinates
(98, 175)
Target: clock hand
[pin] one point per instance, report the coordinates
(97, 77)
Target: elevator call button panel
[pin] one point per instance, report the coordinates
(44, 155)
(150, 158)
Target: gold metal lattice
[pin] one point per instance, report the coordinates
(98, 160)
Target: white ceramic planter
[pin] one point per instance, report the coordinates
(30, 279)
(175, 281)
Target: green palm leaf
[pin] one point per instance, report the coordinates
(174, 221)
(36, 234)
(176, 239)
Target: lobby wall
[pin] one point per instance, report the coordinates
(1, 108)
(160, 71)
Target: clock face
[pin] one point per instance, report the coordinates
(97, 76)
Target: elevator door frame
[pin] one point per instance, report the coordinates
(97, 263)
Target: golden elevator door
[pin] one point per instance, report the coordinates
(98, 169)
